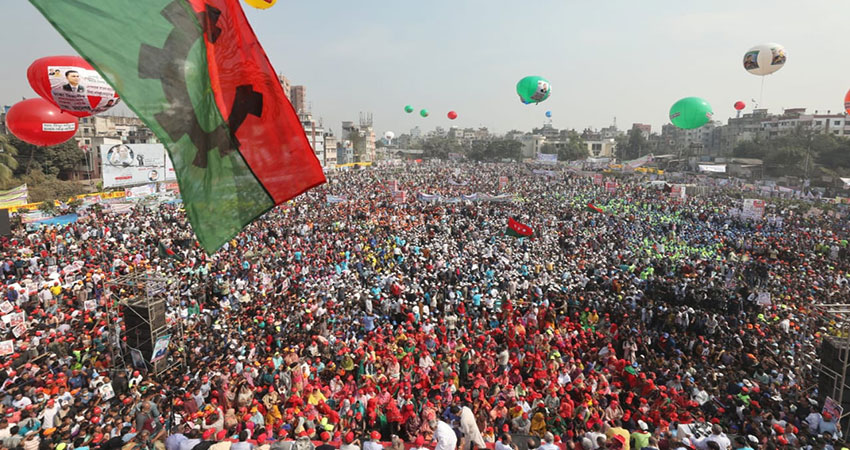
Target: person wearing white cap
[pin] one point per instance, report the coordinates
(640, 437)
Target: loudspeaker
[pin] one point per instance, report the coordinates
(829, 384)
(5, 224)
(142, 325)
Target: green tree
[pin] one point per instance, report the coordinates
(440, 147)
(496, 150)
(575, 149)
(58, 160)
(42, 187)
(8, 163)
(636, 145)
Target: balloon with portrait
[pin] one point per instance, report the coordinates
(533, 89)
(71, 83)
(40, 122)
(765, 59)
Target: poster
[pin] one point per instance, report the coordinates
(393, 185)
(134, 164)
(106, 391)
(597, 179)
(138, 359)
(7, 347)
(611, 187)
(832, 407)
(90, 305)
(160, 348)
(16, 319)
(399, 196)
(503, 182)
(80, 90)
(19, 330)
(763, 299)
(6, 307)
(753, 209)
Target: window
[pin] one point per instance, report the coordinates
(87, 141)
(818, 123)
(837, 132)
(836, 123)
(86, 130)
(597, 147)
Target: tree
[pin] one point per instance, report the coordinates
(58, 160)
(496, 150)
(575, 149)
(440, 147)
(42, 187)
(8, 163)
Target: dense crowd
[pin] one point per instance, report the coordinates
(652, 324)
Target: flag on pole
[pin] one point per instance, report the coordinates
(195, 73)
(594, 208)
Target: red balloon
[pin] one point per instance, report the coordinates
(452, 115)
(71, 83)
(40, 122)
(847, 102)
(739, 105)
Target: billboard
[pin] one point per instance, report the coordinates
(133, 164)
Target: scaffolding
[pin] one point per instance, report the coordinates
(138, 302)
(836, 373)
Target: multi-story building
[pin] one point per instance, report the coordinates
(315, 135)
(298, 98)
(645, 129)
(287, 87)
(331, 143)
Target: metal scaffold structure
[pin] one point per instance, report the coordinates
(139, 333)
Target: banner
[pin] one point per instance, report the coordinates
(132, 164)
(678, 191)
(545, 173)
(392, 185)
(160, 348)
(399, 196)
(13, 197)
(597, 179)
(611, 187)
(503, 182)
(54, 221)
(458, 183)
(332, 199)
(140, 191)
(80, 90)
(753, 209)
(713, 168)
(635, 163)
(547, 158)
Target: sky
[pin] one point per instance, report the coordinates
(619, 58)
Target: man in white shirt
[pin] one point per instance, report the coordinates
(444, 435)
(48, 415)
(717, 436)
(505, 443)
(548, 442)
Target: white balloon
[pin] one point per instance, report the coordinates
(389, 135)
(765, 59)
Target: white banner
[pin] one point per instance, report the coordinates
(133, 164)
(714, 168)
(753, 209)
(547, 158)
(81, 90)
(140, 191)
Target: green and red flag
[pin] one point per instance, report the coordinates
(594, 208)
(195, 73)
(517, 229)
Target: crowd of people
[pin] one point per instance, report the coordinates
(645, 322)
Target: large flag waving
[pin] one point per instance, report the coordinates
(195, 73)
(517, 229)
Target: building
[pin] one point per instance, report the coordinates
(298, 98)
(315, 135)
(96, 131)
(331, 144)
(284, 83)
(601, 147)
(362, 138)
(645, 129)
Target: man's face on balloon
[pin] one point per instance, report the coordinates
(542, 91)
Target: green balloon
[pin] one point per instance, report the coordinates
(408, 109)
(423, 113)
(533, 89)
(690, 112)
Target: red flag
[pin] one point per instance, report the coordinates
(269, 133)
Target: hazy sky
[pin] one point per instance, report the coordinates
(618, 58)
